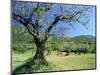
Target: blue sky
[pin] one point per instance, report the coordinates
(81, 30)
(77, 29)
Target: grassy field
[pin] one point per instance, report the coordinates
(58, 62)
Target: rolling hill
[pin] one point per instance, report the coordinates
(83, 38)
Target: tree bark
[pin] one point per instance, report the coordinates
(67, 53)
(39, 58)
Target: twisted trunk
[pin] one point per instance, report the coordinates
(39, 57)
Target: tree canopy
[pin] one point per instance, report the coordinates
(40, 19)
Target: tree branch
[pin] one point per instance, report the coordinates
(30, 31)
(31, 14)
(61, 17)
(16, 15)
(19, 19)
(52, 24)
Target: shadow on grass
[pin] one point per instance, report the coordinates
(30, 67)
(24, 68)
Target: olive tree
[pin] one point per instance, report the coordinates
(40, 19)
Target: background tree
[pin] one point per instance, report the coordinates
(40, 19)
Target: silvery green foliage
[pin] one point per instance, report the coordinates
(45, 15)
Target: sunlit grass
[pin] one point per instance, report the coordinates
(58, 62)
(19, 59)
(72, 62)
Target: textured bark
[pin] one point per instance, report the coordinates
(39, 57)
(67, 53)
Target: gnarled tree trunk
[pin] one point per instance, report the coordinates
(39, 57)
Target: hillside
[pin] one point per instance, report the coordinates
(83, 38)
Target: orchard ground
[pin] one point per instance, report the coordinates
(58, 62)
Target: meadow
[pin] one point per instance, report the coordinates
(57, 62)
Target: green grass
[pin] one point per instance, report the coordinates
(72, 62)
(58, 62)
(19, 59)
